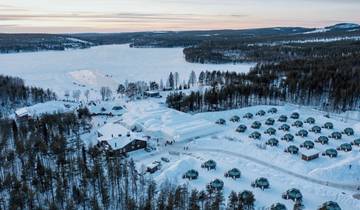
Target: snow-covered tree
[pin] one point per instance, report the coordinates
(76, 95)
(192, 79)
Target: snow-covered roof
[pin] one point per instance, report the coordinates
(49, 107)
(117, 136)
(162, 122)
(309, 152)
(109, 106)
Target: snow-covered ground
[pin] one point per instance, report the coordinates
(230, 149)
(64, 70)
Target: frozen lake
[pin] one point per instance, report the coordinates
(50, 69)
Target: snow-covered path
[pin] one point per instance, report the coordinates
(277, 168)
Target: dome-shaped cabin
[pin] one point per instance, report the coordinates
(255, 135)
(302, 133)
(328, 125)
(330, 152)
(315, 129)
(261, 113)
(248, 116)
(209, 165)
(272, 110)
(191, 174)
(288, 137)
(298, 124)
(307, 144)
(241, 128)
(310, 120)
(295, 115)
(256, 125)
(292, 149)
(322, 140)
(335, 135)
(284, 127)
(235, 118)
(220, 121)
(270, 131)
(272, 142)
(282, 118)
(261, 183)
(330, 205)
(270, 121)
(346, 147)
(217, 185)
(278, 206)
(293, 194)
(233, 173)
(348, 131)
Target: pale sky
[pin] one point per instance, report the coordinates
(54, 16)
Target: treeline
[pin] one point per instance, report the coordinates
(14, 94)
(229, 51)
(12, 43)
(329, 83)
(45, 165)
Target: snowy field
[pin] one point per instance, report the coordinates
(102, 65)
(230, 149)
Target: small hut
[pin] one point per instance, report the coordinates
(282, 118)
(322, 140)
(270, 131)
(217, 185)
(356, 142)
(307, 144)
(293, 194)
(295, 115)
(255, 135)
(256, 125)
(209, 165)
(235, 118)
(348, 131)
(309, 154)
(310, 120)
(346, 147)
(272, 110)
(191, 174)
(270, 121)
(221, 121)
(261, 183)
(315, 129)
(261, 113)
(302, 133)
(233, 173)
(292, 149)
(241, 128)
(330, 205)
(248, 115)
(277, 206)
(272, 142)
(298, 124)
(328, 125)
(330, 152)
(288, 137)
(284, 127)
(335, 135)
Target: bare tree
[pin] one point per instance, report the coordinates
(192, 79)
(76, 95)
(176, 80)
(87, 94)
(105, 93)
